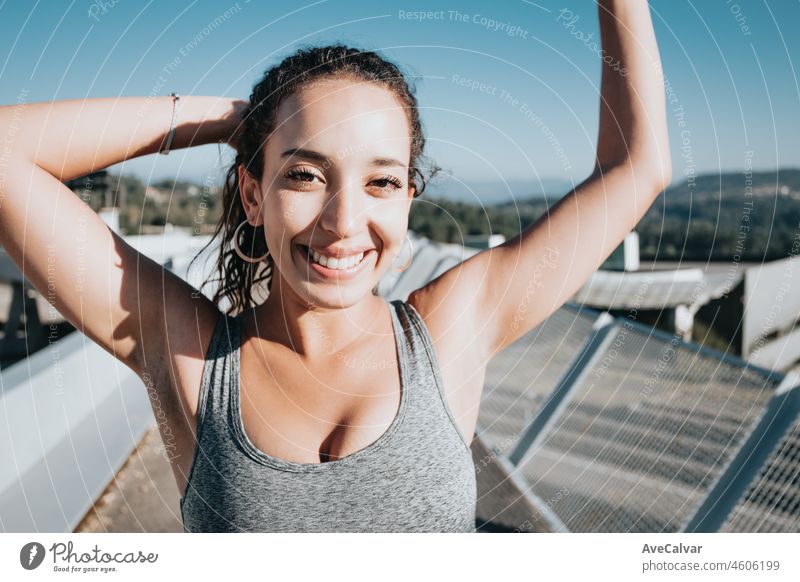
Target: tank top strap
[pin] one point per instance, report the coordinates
(419, 353)
(423, 368)
(418, 476)
(214, 397)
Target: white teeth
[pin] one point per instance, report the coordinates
(334, 263)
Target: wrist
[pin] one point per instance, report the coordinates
(203, 120)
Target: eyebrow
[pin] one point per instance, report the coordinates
(323, 159)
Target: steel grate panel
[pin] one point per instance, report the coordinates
(521, 377)
(500, 500)
(645, 433)
(772, 502)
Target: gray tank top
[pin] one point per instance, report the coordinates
(417, 476)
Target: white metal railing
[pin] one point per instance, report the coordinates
(71, 414)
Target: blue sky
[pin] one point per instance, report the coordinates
(729, 64)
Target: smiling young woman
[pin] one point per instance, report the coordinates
(323, 407)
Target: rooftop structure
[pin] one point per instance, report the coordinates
(589, 422)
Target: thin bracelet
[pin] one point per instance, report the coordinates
(171, 134)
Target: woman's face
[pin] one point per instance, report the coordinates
(336, 173)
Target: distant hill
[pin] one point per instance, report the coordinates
(485, 192)
(180, 203)
(718, 217)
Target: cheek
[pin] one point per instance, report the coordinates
(282, 221)
(288, 209)
(289, 213)
(390, 222)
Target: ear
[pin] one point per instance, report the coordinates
(411, 192)
(250, 192)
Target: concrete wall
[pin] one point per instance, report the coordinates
(772, 302)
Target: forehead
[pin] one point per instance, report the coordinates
(339, 117)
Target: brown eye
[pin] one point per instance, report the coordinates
(388, 183)
(301, 175)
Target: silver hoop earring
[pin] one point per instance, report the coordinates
(410, 258)
(238, 250)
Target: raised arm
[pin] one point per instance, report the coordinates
(533, 274)
(633, 123)
(73, 138)
(100, 284)
(510, 289)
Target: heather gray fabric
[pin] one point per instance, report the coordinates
(417, 476)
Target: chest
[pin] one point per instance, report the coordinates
(303, 414)
(403, 488)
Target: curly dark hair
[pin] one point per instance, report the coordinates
(236, 277)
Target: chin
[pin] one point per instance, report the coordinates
(333, 297)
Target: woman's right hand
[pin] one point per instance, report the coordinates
(235, 122)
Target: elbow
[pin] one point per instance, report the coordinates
(662, 173)
(650, 166)
(655, 168)
(650, 175)
(660, 161)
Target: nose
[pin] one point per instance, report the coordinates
(343, 209)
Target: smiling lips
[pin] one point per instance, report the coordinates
(346, 262)
(340, 267)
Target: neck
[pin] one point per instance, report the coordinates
(314, 332)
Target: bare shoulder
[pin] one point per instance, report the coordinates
(448, 305)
